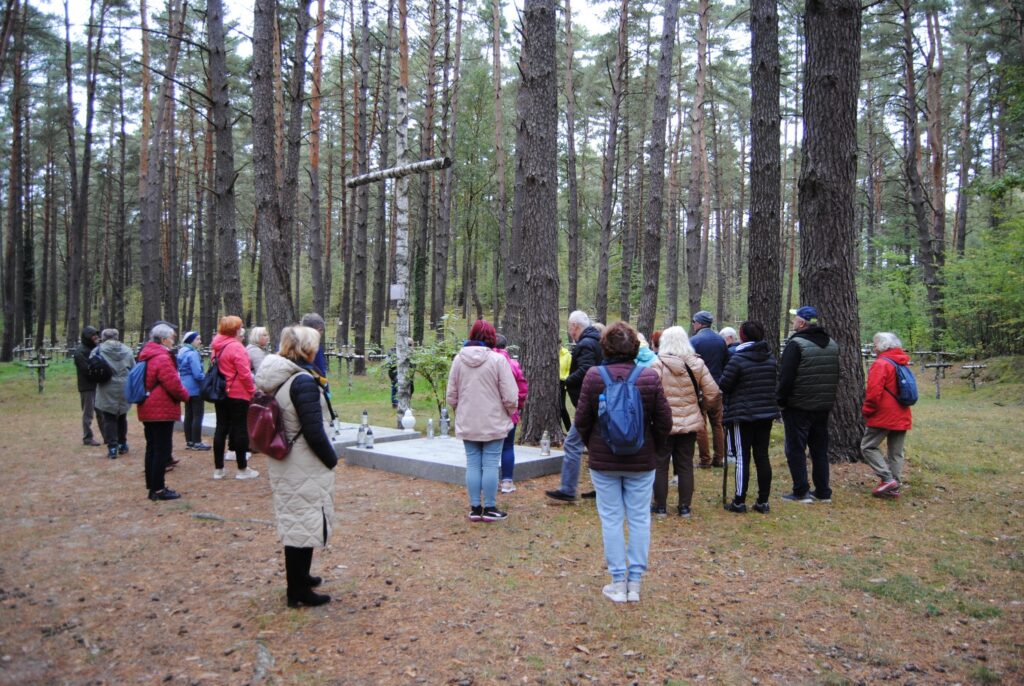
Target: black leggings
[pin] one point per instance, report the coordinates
(753, 439)
(231, 414)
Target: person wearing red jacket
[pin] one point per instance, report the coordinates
(508, 448)
(885, 418)
(233, 362)
(161, 408)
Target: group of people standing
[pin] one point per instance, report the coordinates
(733, 381)
(302, 483)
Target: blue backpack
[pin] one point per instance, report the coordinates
(135, 385)
(620, 413)
(906, 384)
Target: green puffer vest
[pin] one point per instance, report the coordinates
(816, 377)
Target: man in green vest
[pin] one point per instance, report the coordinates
(808, 376)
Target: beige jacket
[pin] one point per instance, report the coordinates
(483, 392)
(303, 486)
(686, 414)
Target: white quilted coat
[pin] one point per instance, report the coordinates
(303, 486)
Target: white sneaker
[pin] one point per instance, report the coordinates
(633, 591)
(218, 474)
(615, 591)
(507, 486)
(247, 473)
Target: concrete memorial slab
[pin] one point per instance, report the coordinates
(407, 452)
(444, 459)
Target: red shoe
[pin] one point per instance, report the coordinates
(884, 487)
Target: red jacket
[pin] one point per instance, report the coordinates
(233, 362)
(164, 384)
(881, 409)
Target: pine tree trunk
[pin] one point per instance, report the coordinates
(313, 238)
(150, 204)
(501, 257)
(656, 173)
(421, 249)
(362, 200)
(293, 141)
(274, 260)
(13, 304)
(572, 201)
(966, 152)
(534, 220)
(828, 235)
(228, 284)
(698, 150)
(764, 296)
(930, 249)
(608, 162)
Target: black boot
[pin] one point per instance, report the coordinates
(296, 563)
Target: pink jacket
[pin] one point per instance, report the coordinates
(524, 386)
(233, 362)
(482, 390)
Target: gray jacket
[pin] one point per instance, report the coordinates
(110, 395)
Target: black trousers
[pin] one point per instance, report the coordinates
(114, 428)
(231, 414)
(194, 419)
(753, 440)
(159, 437)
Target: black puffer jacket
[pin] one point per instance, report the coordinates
(82, 353)
(748, 384)
(305, 396)
(585, 355)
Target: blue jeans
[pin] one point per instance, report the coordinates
(807, 431)
(508, 454)
(573, 448)
(624, 497)
(482, 458)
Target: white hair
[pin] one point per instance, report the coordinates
(884, 340)
(580, 318)
(160, 332)
(256, 333)
(674, 341)
(728, 332)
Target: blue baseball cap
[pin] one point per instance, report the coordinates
(807, 313)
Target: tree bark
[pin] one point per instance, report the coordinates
(764, 294)
(421, 249)
(362, 200)
(501, 257)
(573, 200)
(656, 173)
(80, 181)
(930, 247)
(13, 258)
(534, 263)
(293, 140)
(314, 238)
(966, 151)
(828, 235)
(698, 152)
(404, 372)
(608, 162)
(380, 266)
(150, 203)
(229, 284)
(274, 261)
